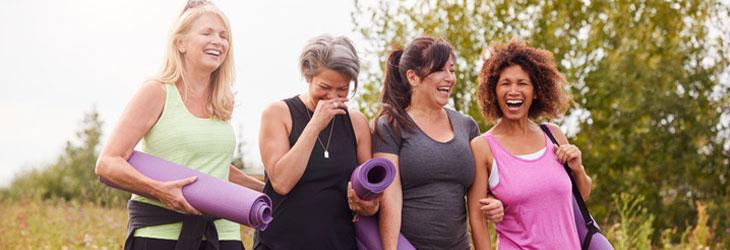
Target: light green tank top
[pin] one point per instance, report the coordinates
(205, 145)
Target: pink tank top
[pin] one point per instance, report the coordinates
(537, 199)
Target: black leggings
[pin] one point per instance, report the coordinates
(154, 244)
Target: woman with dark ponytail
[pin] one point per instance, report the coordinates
(429, 144)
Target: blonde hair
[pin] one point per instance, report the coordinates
(220, 100)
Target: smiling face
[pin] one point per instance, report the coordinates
(205, 46)
(515, 93)
(328, 84)
(438, 85)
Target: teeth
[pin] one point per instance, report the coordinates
(213, 52)
(443, 89)
(514, 101)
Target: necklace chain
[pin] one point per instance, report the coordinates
(329, 137)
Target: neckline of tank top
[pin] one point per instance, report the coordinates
(545, 153)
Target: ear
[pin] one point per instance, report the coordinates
(412, 78)
(180, 46)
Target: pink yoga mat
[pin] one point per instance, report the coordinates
(207, 194)
(369, 180)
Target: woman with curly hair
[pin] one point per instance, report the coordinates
(516, 161)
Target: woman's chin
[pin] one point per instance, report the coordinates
(513, 116)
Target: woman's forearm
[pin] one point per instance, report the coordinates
(584, 183)
(239, 177)
(390, 218)
(118, 171)
(286, 172)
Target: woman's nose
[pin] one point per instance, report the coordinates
(451, 77)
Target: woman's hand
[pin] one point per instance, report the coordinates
(326, 110)
(170, 193)
(362, 207)
(492, 209)
(571, 154)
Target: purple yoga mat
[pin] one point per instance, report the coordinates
(598, 242)
(369, 180)
(368, 235)
(207, 194)
(372, 178)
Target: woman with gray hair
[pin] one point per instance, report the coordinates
(310, 144)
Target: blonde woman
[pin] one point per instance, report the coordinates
(181, 116)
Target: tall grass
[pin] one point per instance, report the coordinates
(58, 224)
(633, 229)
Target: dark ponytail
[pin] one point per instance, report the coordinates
(424, 55)
(396, 95)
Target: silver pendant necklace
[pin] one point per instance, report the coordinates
(329, 137)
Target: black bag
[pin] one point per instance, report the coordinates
(588, 230)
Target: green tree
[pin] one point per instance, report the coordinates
(71, 176)
(647, 84)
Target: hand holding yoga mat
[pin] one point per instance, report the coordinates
(208, 194)
(370, 180)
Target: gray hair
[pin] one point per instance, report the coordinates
(335, 53)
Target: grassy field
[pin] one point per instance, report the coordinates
(33, 224)
(37, 224)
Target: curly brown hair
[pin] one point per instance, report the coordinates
(552, 100)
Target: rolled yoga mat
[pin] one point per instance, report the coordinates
(207, 194)
(598, 241)
(369, 180)
(372, 178)
(367, 235)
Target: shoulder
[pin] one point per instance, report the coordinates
(152, 90)
(459, 116)
(479, 142)
(275, 109)
(381, 122)
(558, 133)
(358, 119)
(277, 106)
(462, 118)
(147, 104)
(480, 148)
(149, 98)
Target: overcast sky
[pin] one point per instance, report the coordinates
(59, 58)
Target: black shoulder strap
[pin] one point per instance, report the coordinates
(590, 225)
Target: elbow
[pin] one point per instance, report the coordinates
(588, 192)
(279, 183)
(587, 195)
(280, 190)
(101, 167)
(279, 187)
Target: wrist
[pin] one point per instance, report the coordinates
(155, 189)
(370, 212)
(580, 170)
(312, 127)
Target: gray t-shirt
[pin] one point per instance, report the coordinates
(435, 177)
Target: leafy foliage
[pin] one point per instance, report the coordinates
(650, 81)
(71, 176)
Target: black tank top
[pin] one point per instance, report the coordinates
(315, 214)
